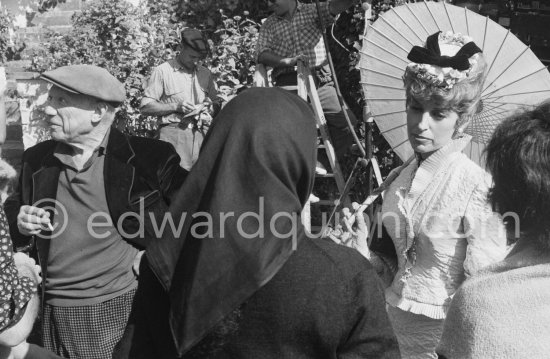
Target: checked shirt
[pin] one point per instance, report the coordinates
(301, 34)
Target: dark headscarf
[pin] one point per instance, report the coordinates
(261, 146)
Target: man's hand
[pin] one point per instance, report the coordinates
(27, 267)
(292, 61)
(208, 106)
(185, 107)
(269, 58)
(31, 220)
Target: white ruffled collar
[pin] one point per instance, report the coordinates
(431, 166)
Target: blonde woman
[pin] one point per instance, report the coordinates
(436, 211)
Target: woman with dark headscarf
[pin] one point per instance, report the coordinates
(247, 282)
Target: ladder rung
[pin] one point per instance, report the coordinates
(290, 88)
(323, 202)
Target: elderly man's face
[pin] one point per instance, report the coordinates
(70, 116)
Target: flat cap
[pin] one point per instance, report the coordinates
(195, 40)
(87, 80)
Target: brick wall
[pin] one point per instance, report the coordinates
(25, 126)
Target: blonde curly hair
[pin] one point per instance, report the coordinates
(464, 97)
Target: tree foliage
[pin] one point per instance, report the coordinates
(10, 47)
(126, 40)
(129, 41)
(45, 5)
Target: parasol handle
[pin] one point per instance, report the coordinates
(377, 192)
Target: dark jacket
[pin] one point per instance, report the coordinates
(326, 302)
(136, 170)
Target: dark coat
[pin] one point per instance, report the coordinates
(137, 170)
(326, 302)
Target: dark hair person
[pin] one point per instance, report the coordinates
(253, 285)
(503, 311)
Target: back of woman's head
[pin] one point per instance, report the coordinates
(518, 156)
(244, 196)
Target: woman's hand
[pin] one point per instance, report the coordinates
(357, 226)
(354, 231)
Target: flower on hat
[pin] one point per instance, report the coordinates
(445, 77)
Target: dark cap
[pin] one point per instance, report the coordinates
(87, 80)
(195, 40)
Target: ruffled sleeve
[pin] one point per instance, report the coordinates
(15, 291)
(484, 230)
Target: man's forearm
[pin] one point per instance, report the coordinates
(155, 108)
(269, 58)
(338, 6)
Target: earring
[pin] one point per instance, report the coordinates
(459, 132)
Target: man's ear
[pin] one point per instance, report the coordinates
(101, 109)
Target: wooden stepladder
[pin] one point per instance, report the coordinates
(307, 90)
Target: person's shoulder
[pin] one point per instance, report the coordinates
(310, 10)
(165, 66)
(470, 173)
(270, 21)
(344, 261)
(203, 71)
(150, 147)
(201, 68)
(479, 293)
(39, 151)
(151, 151)
(41, 146)
(308, 7)
(152, 156)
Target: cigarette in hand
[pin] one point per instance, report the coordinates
(50, 227)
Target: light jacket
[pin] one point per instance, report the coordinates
(443, 229)
(503, 311)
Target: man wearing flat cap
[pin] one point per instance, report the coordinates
(183, 95)
(85, 207)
